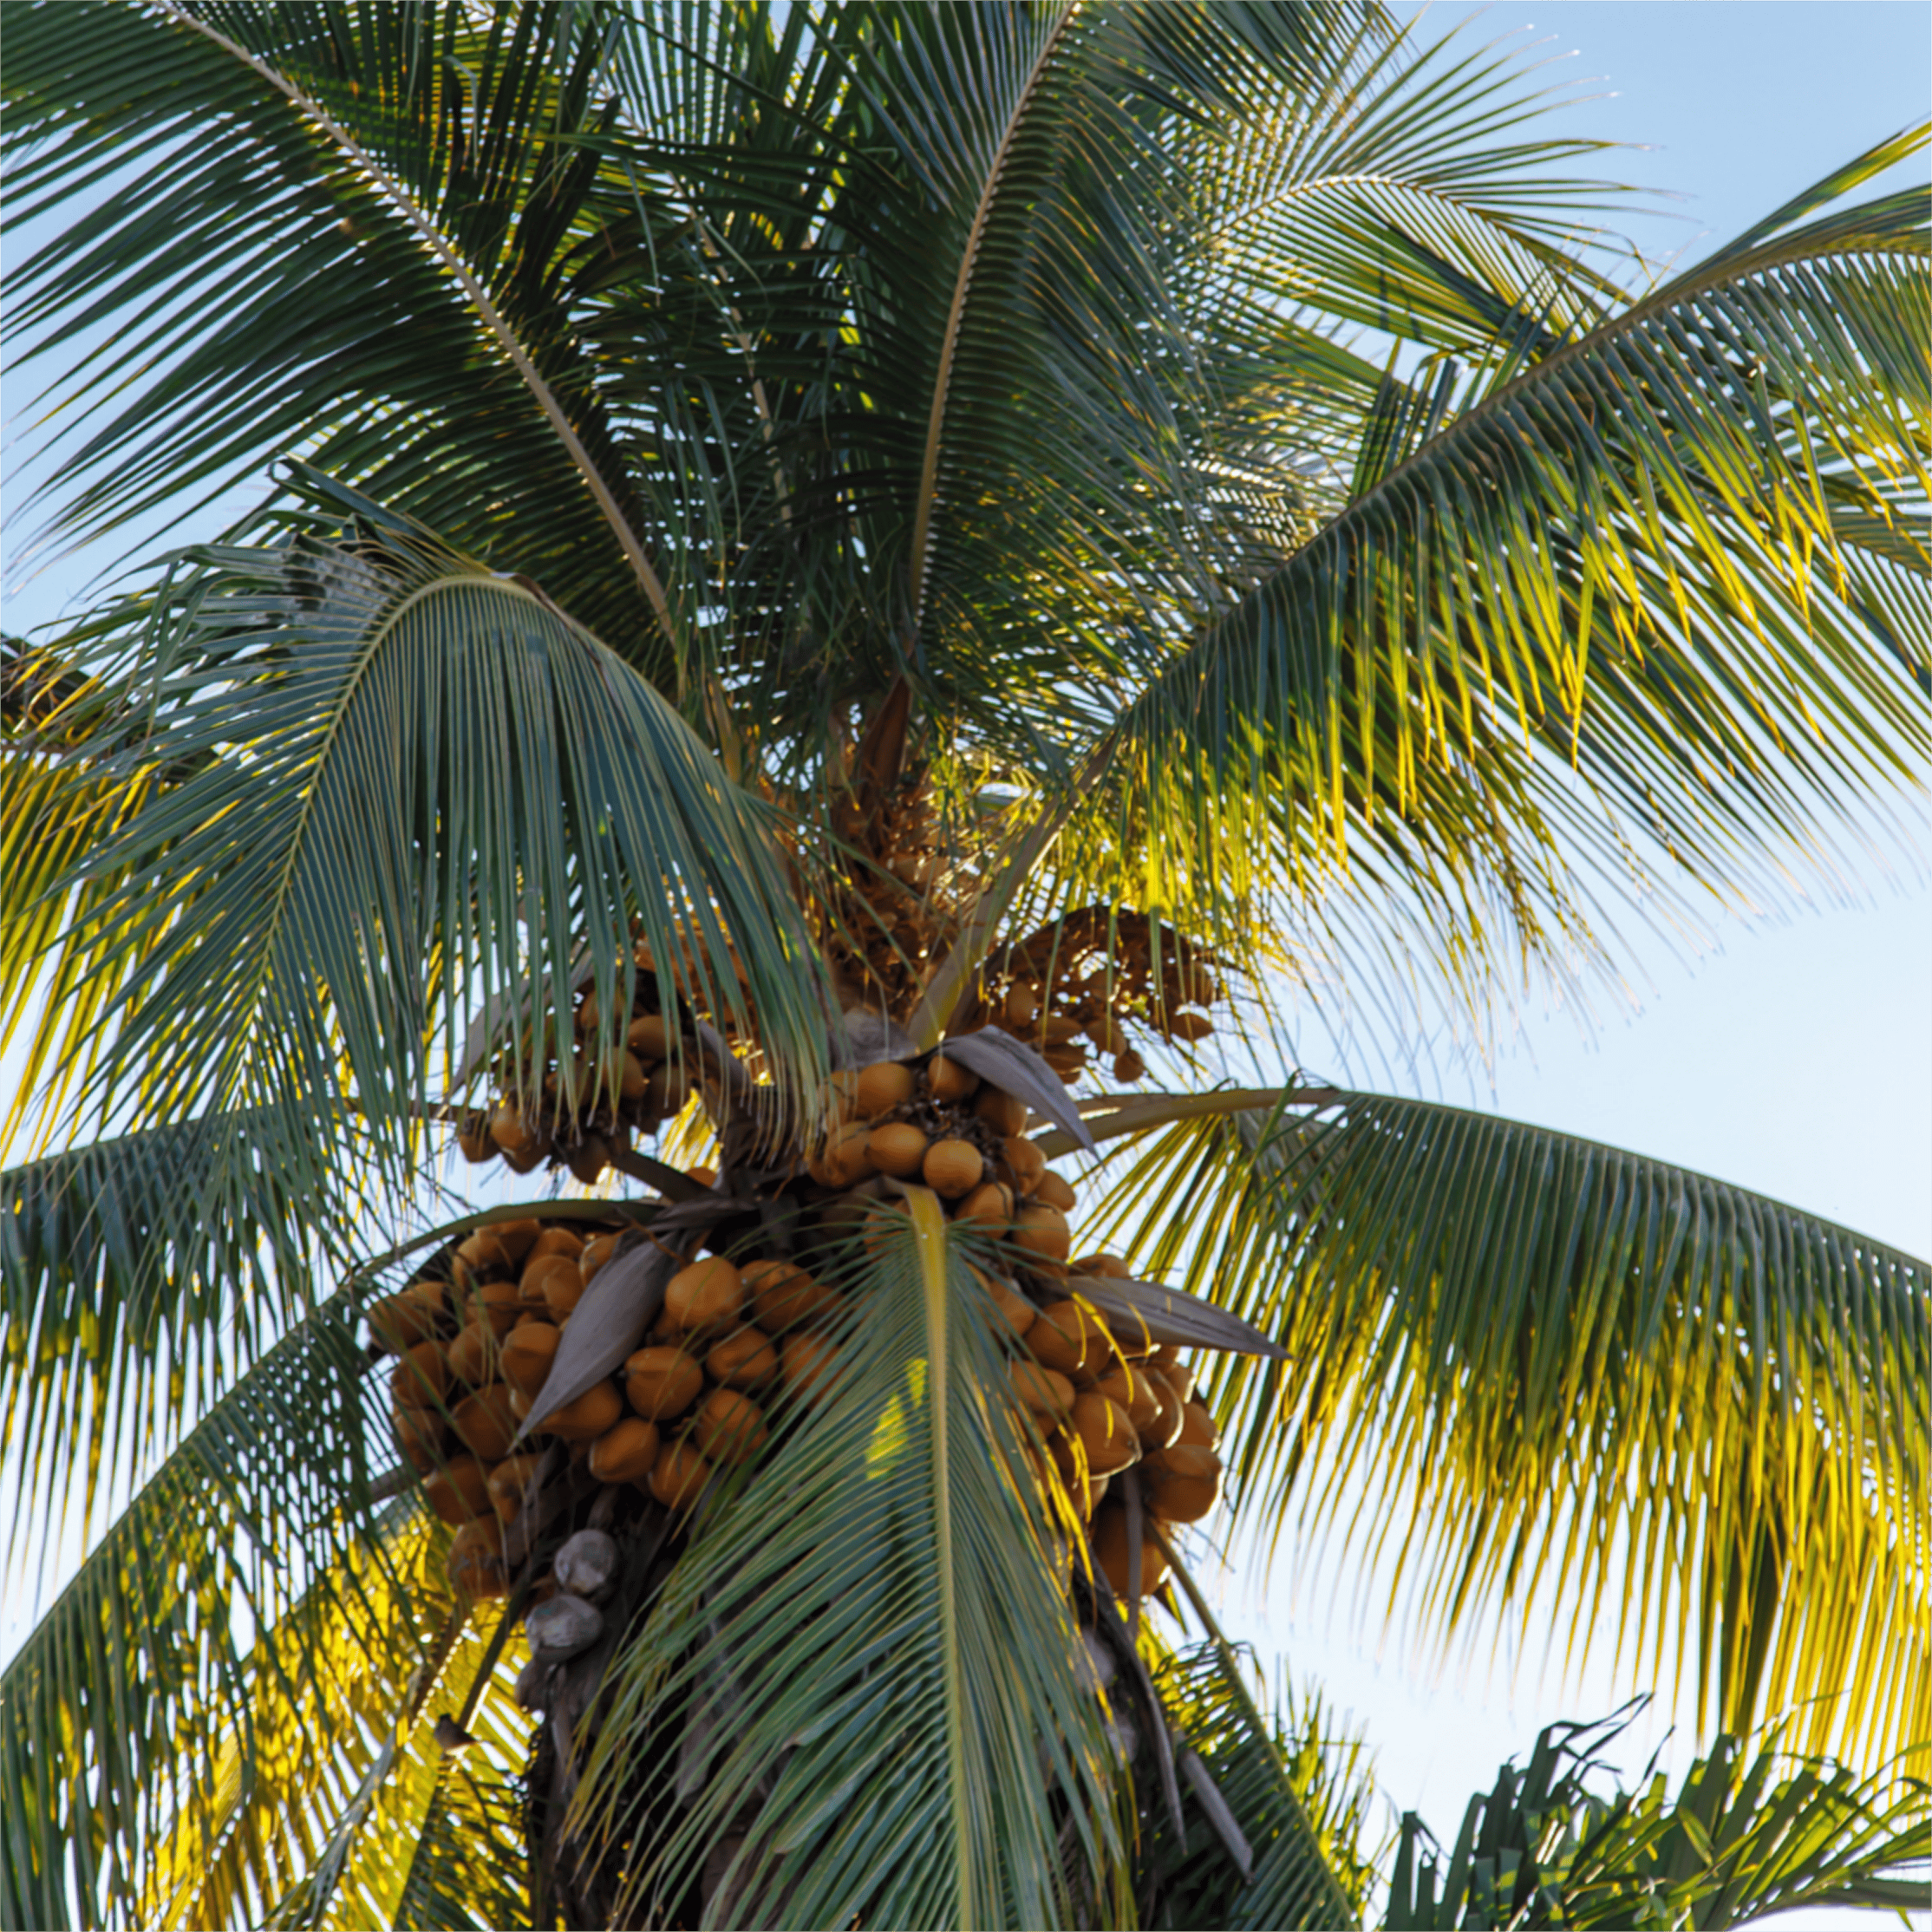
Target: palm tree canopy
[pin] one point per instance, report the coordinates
(1209, 444)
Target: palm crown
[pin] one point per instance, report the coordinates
(839, 529)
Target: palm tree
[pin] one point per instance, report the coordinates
(832, 565)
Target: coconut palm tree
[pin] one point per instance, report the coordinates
(898, 595)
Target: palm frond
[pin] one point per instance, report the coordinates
(131, 1708)
(1298, 1791)
(425, 177)
(1685, 1425)
(426, 792)
(1745, 1835)
(1608, 604)
(138, 1276)
(899, 1721)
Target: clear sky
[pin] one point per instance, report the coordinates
(1795, 1059)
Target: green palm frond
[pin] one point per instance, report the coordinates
(138, 1276)
(426, 793)
(131, 1708)
(1745, 1835)
(424, 176)
(1287, 1779)
(1515, 1355)
(1607, 600)
(902, 1732)
(461, 1874)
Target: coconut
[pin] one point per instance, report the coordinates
(742, 1361)
(1070, 1337)
(882, 1086)
(1129, 1387)
(587, 1416)
(473, 1355)
(1013, 1312)
(476, 1565)
(707, 1295)
(507, 1483)
(1021, 1005)
(420, 1377)
(679, 1475)
(625, 1452)
(1189, 1026)
(649, 1038)
(898, 1148)
(1178, 1376)
(1197, 1426)
(588, 1013)
(843, 1160)
(730, 1427)
(1185, 1481)
(1166, 1426)
(953, 1168)
(485, 1423)
(510, 1131)
(527, 1354)
(1044, 1391)
(1027, 1163)
(1052, 1190)
(1108, 1266)
(1006, 1114)
(660, 1382)
(555, 1241)
(493, 1305)
(947, 1081)
(473, 1140)
(661, 1093)
(418, 1438)
(485, 1253)
(597, 1251)
(517, 1236)
(990, 1204)
(808, 1363)
(632, 1078)
(783, 1296)
(1041, 1233)
(1104, 1433)
(1110, 1552)
(552, 1283)
(399, 1322)
(1129, 1068)
(457, 1492)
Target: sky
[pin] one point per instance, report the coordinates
(1794, 1056)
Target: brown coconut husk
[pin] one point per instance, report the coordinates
(458, 1490)
(626, 1452)
(662, 1381)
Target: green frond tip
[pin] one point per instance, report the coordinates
(1747, 1833)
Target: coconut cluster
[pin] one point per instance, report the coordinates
(1085, 983)
(627, 1076)
(1102, 1399)
(475, 1338)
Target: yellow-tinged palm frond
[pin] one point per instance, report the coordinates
(130, 1709)
(1677, 1422)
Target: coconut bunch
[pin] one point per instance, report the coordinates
(1079, 986)
(473, 1337)
(627, 1077)
(1104, 1402)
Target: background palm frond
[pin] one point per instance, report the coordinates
(1495, 1334)
(1745, 1835)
